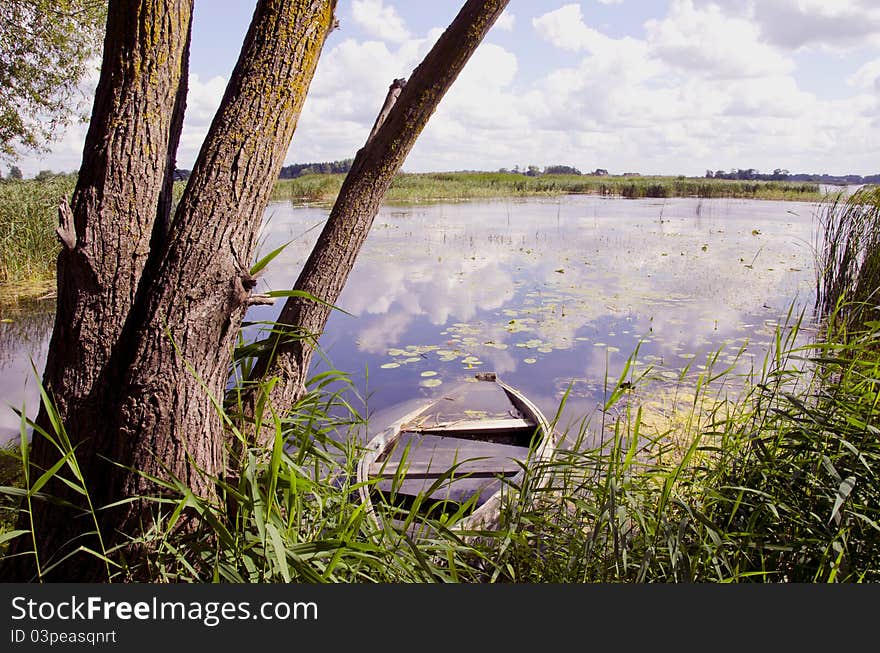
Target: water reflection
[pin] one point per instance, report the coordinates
(25, 328)
(556, 294)
(550, 293)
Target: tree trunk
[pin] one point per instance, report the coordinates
(324, 275)
(199, 288)
(114, 208)
(149, 309)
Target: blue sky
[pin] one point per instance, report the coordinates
(656, 87)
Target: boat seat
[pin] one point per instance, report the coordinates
(476, 426)
(487, 467)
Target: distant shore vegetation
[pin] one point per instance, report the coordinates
(418, 187)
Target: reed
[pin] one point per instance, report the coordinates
(28, 217)
(321, 188)
(848, 257)
(778, 485)
(286, 513)
(422, 187)
(767, 477)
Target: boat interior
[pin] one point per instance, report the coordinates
(457, 453)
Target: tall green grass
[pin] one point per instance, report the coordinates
(485, 185)
(28, 218)
(766, 478)
(283, 513)
(848, 257)
(777, 485)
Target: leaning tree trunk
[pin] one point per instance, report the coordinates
(106, 238)
(302, 319)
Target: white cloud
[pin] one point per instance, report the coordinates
(702, 86)
(379, 20)
(829, 23)
(506, 21)
(202, 102)
(707, 42)
(565, 28)
(794, 24)
(867, 76)
(347, 93)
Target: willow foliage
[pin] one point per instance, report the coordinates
(46, 47)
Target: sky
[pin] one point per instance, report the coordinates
(654, 87)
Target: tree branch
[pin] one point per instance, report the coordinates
(66, 230)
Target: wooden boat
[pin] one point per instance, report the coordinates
(459, 455)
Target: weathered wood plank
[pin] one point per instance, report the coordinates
(458, 489)
(445, 451)
(477, 468)
(465, 425)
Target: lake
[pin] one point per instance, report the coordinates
(553, 294)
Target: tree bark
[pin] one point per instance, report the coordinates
(197, 287)
(149, 308)
(324, 275)
(114, 207)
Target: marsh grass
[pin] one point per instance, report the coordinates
(286, 513)
(421, 187)
(770, 477)
(28, 218)
(11, 476)
(848, 257)
(778, 485)
(28, 209)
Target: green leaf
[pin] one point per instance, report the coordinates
(263, 262)
(280, 551)
(49, 473)
(304, 295)
(5, 537)
(843, 491)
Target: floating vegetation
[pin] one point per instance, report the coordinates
(430, 383)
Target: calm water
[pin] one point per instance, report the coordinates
(551, 294)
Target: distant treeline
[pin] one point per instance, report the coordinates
(326, 168)
(750, 174)
(295, 170)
